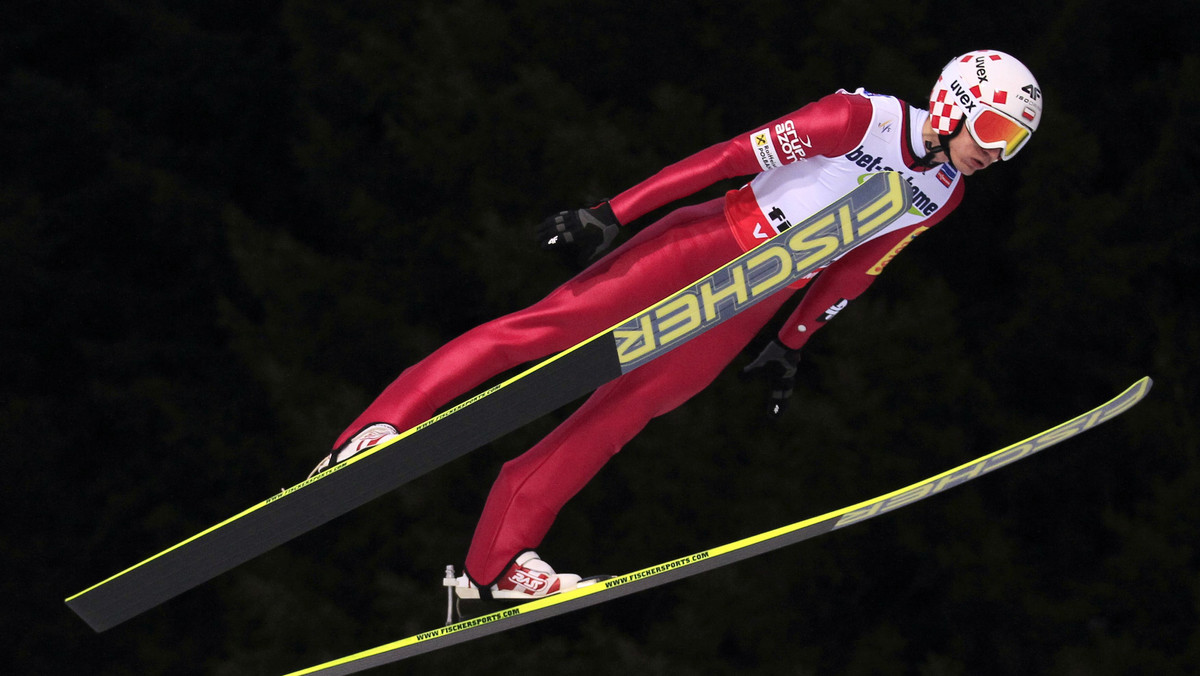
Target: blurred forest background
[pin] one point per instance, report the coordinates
(225, 226)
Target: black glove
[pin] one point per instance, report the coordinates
(580, 234)
(777, 363)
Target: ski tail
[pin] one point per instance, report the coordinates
(733, 552)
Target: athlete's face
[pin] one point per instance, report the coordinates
(968, 156)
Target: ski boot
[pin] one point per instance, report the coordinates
(527, 578)
(372, 435)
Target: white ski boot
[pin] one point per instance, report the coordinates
(529, 577)
(372, 435)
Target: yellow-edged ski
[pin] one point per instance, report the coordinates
(724, 555)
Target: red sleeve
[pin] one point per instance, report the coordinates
(846, 278)
(830, 126)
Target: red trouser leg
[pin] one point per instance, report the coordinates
(658, 261)
(532, 488)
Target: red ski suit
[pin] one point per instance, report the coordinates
(664, 257)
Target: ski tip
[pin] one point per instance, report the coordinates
(1141, 388)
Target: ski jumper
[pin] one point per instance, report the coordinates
(801, 163)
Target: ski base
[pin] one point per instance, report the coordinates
(717, 557)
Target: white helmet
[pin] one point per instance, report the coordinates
(996, 95)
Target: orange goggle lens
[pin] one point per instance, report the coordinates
(993, 129)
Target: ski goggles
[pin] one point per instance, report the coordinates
(994, 129)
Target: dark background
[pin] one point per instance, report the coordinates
(227, 225)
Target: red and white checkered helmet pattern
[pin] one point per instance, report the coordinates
(984, 78)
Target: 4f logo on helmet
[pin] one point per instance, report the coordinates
(1033, 92)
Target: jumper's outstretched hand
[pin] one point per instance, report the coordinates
(580, 234)
(777, 363)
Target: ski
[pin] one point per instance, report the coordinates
(717, 557)
(779, 261)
